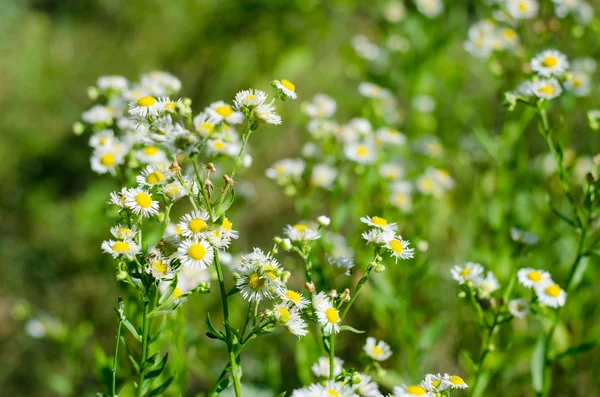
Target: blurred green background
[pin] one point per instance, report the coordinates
(52, 217)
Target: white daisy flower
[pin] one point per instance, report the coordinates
(118, 198)
(337, 389)
(430, 8)
(323, 220)
(140, 202)
(296, 325)
(145, 107)
(530, 278)
(488, 285)
(579, 83)
(152, 175)
(378, 351)
(112, 83)
(377, 236)
(328, 317)
(102, 139)
(412, 391)
(221, 236)
(379, 223)
(301, 232)
(203, 125)
(286, 87)
(194, 224)
(546, 88)
(469, 272)
(318, 298)
(432, 383)
(259, 277)
(249, 99)
(370, 90)
(175, 190)
(321, 368)
(365, 48)
(160, 83)
(366, 387)
(126, 248)
(98, 114)
(294, 299)
(314, 390)
(361, 153)
(550, 294)
(323, 176)
(266, 113)
(386, 136)
(219, 112)
(453, 382)
(399, 248)
(401, 195)
(152, 155)
(518, 308)
(107, 159)
(158, 266)
(391, 171)
(550, 63)
(522, 9)
(322, 106)
(286, 170)
(195, 253)
(123, 232)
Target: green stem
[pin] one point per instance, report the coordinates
(145, 337)
(356, 291)
(486, 348)
(116, 358)
(235, 372)
(331, 356)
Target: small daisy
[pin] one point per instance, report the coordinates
(196, 254)
(411, 391)
(106, 159)
(329, 317)
(159, 267)
(249, 99)
(379, 223)
(259, 277)
(580, 83)
(546, 88)
(323, 176)
(454, 382)
(194, 224)
(518, 308)
(123, 232)
(102, 139)
(389, 136)
(321, 368)
(522, 9)
(127, 248)
(488, 285)
(401, 195)
(293, 298)
(391, 171)
(285, 170)
(377, 236)
(430, 8)
(550, 63)
(266, 113)
(337, 389)
(286, 88)
(301, 232)
(361, 153)
(219, 112)
(318, 298)
(98, 114)
(113, 83)
(145, 107)
(399, 248)
(551, 294)
(323, 220)
(366, 387)
(432, 383)
(118, 198)
(469, 272)
(151, 155)
(322, 106)
(378, 351)
(529, 277)
(203, 125)
(140, 202)
(174, 190)
(152, 175)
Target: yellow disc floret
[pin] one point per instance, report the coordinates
(197, 252)
(143, 199)
(146, 101)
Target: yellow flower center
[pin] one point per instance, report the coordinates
(553, 290)
(224, 110)
(121, 247)
(177, 292)
(535, 276)
(103, 140)
(170, 106)
(523, 6)
(509, 34)
(251, 97)
(362, 150)
(219, 145)
(436, 383)
(465, 272)
(457, 380)
(379, 221)
(416, 390)
(107, 160)
(197, 225)
(270, 272)
(143, 199)
(284, 314)
(208, 127)
(293, 296)
(123, 232)
(576, 82)
(280, 169)
(546, 89)
(427, 184)
(332, 315)
(155, 177)
(256, 282)
(178, 230)
(172, 190)
(550, 62)
(333, 393)
(227, 225)
(197, 252)
(300, 227)
(288, 84)
(160, 267)
(146, 101)
(150, 150)
(377, 350)
(396, 246)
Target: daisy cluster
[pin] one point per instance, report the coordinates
(431, 386)
(337, 152)
(385, 235)
(499, 33)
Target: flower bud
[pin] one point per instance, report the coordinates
(286, 244)
(324, 220)
(92, 93)
(78, 128)
(379, 268)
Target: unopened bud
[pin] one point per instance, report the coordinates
(78, 128)
(160, 217)
(378, 268)
(277, 240)
(356, 378)
(286, 244)
(204, 288)
(187, 101)
(462, 294)
(122, 275)
(285, 276)
(324, 220)
(92, 93)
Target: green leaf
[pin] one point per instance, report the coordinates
(351, 329)
(131, 355)
(581, 348)
(227, 202)
(538, 365)
(158, 391)
(131, 329)
(156, 313)
(233, 291)
(282, 394)
(158, 369)
(211, 332)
